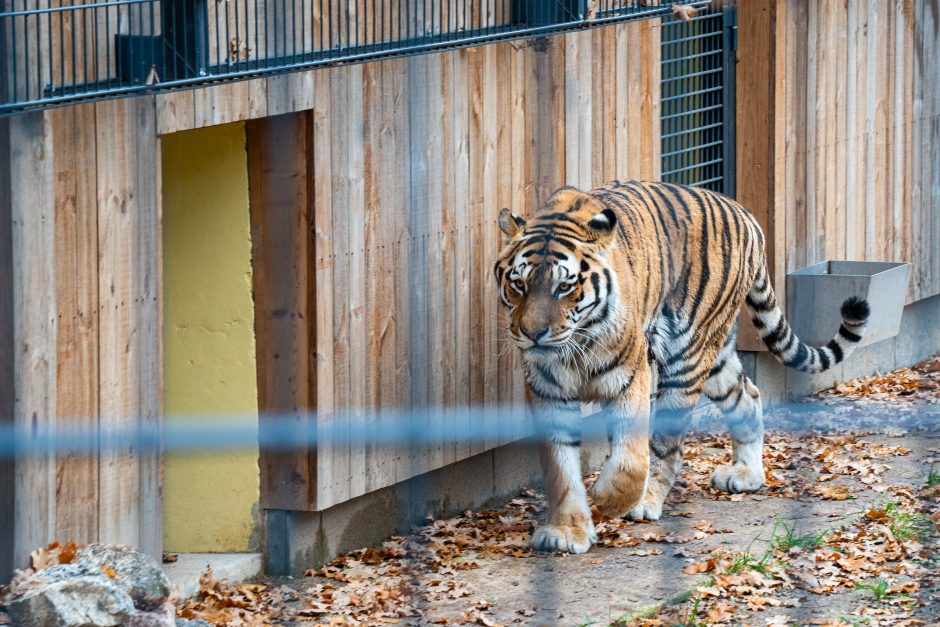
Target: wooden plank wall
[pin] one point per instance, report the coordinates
(398, 170)
(84, 300)
(839, 133)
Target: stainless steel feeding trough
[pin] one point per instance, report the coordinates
(815, 294)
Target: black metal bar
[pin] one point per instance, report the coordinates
(729, 49)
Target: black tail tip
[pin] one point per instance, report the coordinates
(855, 309)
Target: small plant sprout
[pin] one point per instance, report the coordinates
(933, 477)
(785, 537)
(907, 525)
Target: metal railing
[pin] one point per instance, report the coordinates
(65, 51)
(697, 106)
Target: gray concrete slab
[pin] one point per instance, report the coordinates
(185, 572)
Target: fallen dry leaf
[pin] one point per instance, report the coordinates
(684, 12)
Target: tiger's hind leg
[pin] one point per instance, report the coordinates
(679, 388)
(739, 400)
(665, 446)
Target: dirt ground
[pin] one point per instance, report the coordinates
(844, 533)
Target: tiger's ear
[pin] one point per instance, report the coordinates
(510, 223)
(603, 225)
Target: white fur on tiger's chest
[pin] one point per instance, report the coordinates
(555, 377)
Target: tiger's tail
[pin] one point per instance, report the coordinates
(776, 333)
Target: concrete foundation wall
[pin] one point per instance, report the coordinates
(297, 541)
(918, 338)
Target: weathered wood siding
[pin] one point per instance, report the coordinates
(839, 132)
(81, 300)
(374, 226)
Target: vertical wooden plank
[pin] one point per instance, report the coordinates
(545, 104)
(874, 125)
(460, 98)
(825, 127)
(489, 232)
(503, 363)
(76, 268)
(930, 147)
(483, 203)
(604, 97)
(444, 108)
(903, 242)
(812, 144)
(148, 293)
(760, 134)
(776, 234)
(278, 193)
(340, 488)
(796, 60)
(644, 85)
(884, 208)
(835, 210)
(853, 33)
(578, 108)
(7, 357)
(479, 180)
(32, 235)
(622, 65)
(522, 182)
(357, 277)
(379, 300)
(427, 103)
(329, 457)
(119, 210)
(402, 229)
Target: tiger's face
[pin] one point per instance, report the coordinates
(553, 273)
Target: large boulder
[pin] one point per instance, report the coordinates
(135, 572)
(70, 595)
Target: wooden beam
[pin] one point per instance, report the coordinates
(761, 124)
(7, 369)
(279, 195)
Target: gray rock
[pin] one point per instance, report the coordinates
(136, 573)
(185, 622)
(163, 616)
(71, 595)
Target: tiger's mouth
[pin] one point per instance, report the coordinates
(555, 345)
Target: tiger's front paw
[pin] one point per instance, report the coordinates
(738, 478)
(563, 538)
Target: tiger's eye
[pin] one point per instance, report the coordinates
(519, 285)
(564, 287)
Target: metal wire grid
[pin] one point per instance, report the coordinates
(698, 100)
(65, 51)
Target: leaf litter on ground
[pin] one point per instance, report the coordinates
(409, 579)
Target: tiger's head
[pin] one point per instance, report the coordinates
(554, 272)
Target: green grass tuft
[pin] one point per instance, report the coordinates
(878, 588)
(907, 525)
(933, 477)
(785, 537)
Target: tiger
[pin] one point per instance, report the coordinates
(601, 287)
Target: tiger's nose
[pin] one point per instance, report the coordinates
(535, 335)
